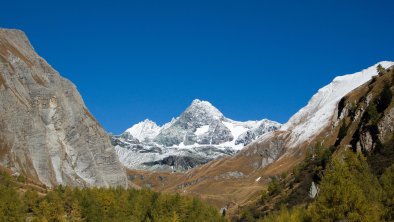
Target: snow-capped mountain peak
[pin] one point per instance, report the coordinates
(203, 109)
(145, 130)
(201, 133)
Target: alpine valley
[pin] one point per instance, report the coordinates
(331, 161)
(334, 117)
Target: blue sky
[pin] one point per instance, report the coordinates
(133, 60)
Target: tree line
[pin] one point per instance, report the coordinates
(98, 204)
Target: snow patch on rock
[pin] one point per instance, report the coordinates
(201, 130)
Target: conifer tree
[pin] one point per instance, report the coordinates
(387, 181)
(346, 192)
(380, 69)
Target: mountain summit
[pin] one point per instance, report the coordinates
(201, 133)
(202, 111)
(353, 112)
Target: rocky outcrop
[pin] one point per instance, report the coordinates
(254, 133)
(179, 162)
(386, 126)
(46, 131)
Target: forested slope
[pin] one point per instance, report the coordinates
(347, 174)
(22, 201)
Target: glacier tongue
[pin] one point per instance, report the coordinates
(201, 133)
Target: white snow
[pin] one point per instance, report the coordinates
(251, 123)
(207, 106)
(201, 130)
(146, 129)
(319, 111)
(236, 128)
(201, 115)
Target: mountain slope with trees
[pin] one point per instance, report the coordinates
(19, 201)
(351, 166)
(236, 181)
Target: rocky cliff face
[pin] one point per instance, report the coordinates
(46, 131)
(365, 120)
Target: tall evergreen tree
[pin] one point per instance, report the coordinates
(346, 192)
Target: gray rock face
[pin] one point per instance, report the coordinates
(179, 162)
(155, 157)
(266, 149)
(198, 114)
(217, 134)
(385, 126)
(313, 190)
(46, 132)
(252, 134)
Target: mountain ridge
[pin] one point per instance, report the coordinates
(245, 174)
(200, 133)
